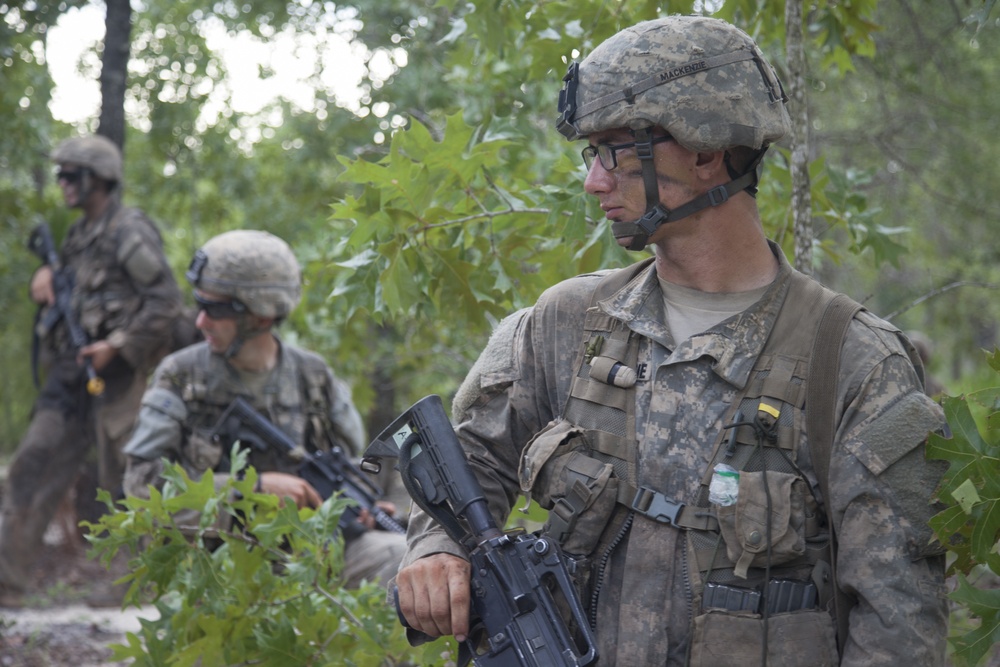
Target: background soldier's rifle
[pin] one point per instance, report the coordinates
(40, 242)
(519, 581)
(327, 471)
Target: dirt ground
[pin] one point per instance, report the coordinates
(72, 614)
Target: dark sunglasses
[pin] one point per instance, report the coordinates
(220, 310)
(69, 176)
(606, 153)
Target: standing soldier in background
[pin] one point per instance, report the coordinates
(246, 283)
(125, 299)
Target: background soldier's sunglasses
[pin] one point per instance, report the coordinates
(606, 153)
(69, 176)
(220, 310)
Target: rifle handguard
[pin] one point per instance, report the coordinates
(328, 472)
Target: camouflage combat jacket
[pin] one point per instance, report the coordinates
(192, 388)
(123, 290)
(647, 609)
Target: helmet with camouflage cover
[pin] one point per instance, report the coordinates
(97, 153)
(253, 267)
(701, 79)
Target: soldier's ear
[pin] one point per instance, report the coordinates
(263, 322)
(710, 163)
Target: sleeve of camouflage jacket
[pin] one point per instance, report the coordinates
(507, 398)
(483, 413)
(881, 485)
(159, 436)
(148, 332)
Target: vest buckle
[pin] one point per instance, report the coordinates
(656, 506)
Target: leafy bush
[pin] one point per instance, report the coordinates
(970, 524)
(268, 593)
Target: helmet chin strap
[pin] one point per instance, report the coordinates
(657, 214)
(243, 333)
(234, 347)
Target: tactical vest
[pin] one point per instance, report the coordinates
(735, 559)
(105, 272)
(301, 411)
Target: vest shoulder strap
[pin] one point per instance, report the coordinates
(314, 376)
(821, 392)
(821, 385)
(317, 392)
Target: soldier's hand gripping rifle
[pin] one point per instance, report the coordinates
(327, 471)
(40, 242)
(519, 581)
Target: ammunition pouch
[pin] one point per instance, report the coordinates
(578, 489)
(775, 510)
(202, 452)
(782, 596)
(733, 639)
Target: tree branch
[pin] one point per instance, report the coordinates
(487, 215)
(937, 292)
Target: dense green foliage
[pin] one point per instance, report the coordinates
(270, 592)
(970, 524)
(911, 124)
(439, 198)
(200, 164)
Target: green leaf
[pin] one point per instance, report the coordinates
(985, 534)
(967, 451)
(270, 593)
(973, 646)
(966, 496)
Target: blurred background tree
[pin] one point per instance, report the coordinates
(408, 155)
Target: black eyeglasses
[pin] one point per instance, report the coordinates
(69, 176)
(220, 310)
(606, 153)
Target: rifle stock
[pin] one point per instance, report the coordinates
(327, 471)
(520, 582)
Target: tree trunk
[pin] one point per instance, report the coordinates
(114, 70)
(799, 112)
(385, 409)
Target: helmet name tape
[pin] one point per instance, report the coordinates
(670, 74)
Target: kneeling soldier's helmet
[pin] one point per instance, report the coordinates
(253, 267)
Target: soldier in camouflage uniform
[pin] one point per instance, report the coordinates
(126, 300)
(658, 411)
(246, 282)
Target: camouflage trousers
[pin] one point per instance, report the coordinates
(50, 461)
(373, 556)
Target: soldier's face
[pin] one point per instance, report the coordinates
(622, 192)
(70, 180)
(219, 332)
